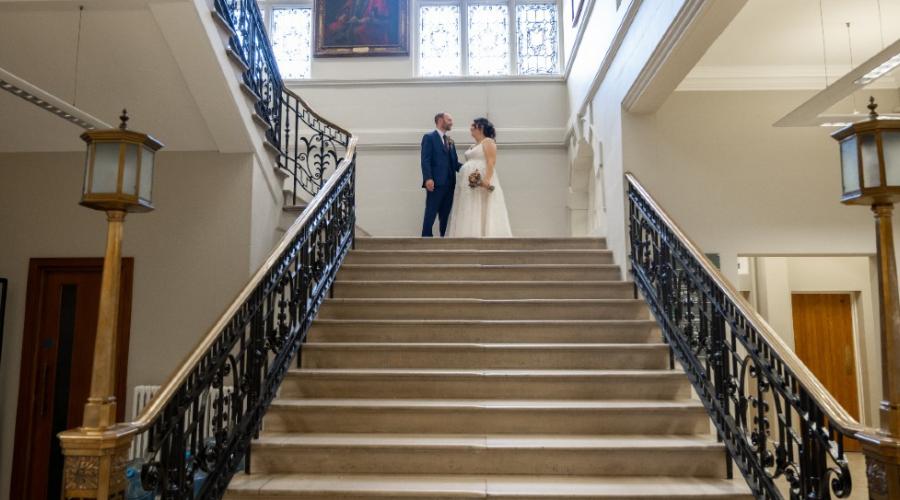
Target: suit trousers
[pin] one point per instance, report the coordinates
(437, 204)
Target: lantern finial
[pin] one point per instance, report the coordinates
(872, 106)
(124, 118)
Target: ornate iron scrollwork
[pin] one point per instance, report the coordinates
(771, 425)
(308, 146)
(250, 355)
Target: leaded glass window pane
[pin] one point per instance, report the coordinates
(439, 40)
(537, 36)
(488, 39)
(292, 41)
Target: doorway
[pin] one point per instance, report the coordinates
(61, 309)
(823, 337)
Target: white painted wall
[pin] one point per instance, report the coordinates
(595, 49)
(779, 277)
(122, 61)
(191, 255)
(738, 185)
(390, 118)
(599, 80)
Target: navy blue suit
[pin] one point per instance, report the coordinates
(439, 164)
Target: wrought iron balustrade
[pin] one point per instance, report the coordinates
(777, 421)
(309, 147)
(249, 350)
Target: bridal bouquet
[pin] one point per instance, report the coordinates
(475, 180)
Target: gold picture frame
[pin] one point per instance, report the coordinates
(348, 28)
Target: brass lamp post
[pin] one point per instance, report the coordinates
(118, 179)
(870, 171)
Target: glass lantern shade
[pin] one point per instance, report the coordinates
(118, 173)
(870, 161)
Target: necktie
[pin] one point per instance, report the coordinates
(446, 143)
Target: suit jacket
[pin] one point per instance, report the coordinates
(437, 164)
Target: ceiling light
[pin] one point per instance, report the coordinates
(810, 112)
(879, 71)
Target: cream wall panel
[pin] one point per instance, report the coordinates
(397, 105)
(391, 201)
(390, 118)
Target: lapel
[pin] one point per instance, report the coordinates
(440, 141)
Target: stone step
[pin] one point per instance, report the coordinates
(467, 309)
(489, 454)
(393, 416)
(425, 256)
(480, 243)
(492, 331)
(457, 486)
(486, 356)
(480, 272)
(486, 384)
(485, 289)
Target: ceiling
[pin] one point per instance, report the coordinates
(121, 60)
(778, 44)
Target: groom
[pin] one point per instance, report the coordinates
(439, 167)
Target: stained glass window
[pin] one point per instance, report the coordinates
(537, 35)
(488, 26)
(439, 40)
(292, 41)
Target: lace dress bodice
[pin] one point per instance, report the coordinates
(476, 152)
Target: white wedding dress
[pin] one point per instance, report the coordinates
(477, 212)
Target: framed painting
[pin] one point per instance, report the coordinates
(362, 28)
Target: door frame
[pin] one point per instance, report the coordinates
(4, 291)
(38, 268)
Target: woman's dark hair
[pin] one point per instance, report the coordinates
(486, 127)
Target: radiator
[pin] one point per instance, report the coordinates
(144, 393)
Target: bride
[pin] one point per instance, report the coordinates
(480, 211)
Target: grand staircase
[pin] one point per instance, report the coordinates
(518, 369)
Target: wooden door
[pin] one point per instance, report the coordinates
(57, 356)
(823, 338)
